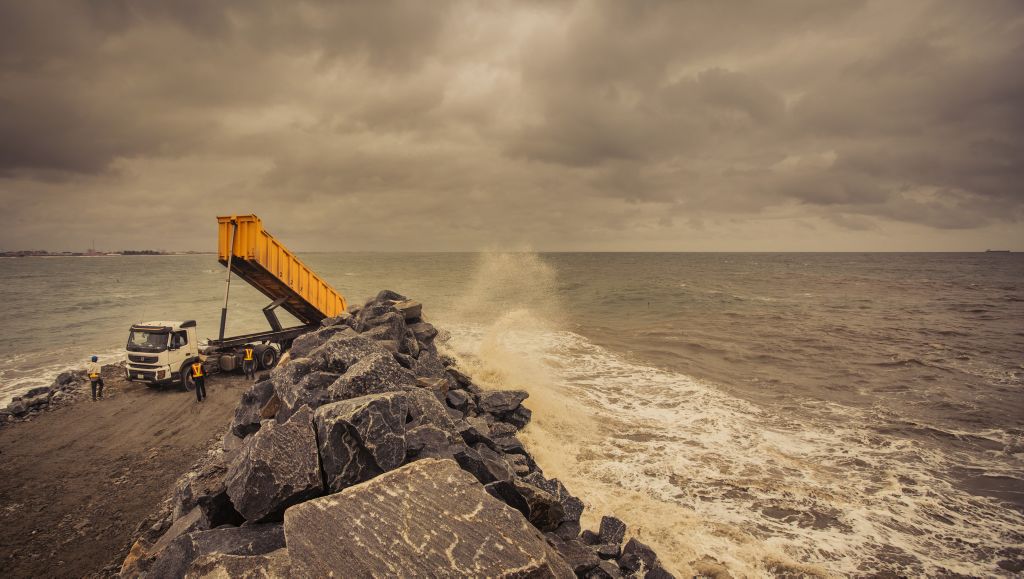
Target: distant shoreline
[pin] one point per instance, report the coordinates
(108, 254)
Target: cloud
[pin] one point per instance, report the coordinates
(459, 125)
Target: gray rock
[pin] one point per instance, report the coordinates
(519, 417)
(440, 523)
(411, 310)
(612, 531)
(341, 351)
(427, 441)
(204, 488)
(476, 430)
(501, 401)
(247, 414)
(276, 467)
(344, 318)
(272, 565)
(361, 437)
(306, 343)
(390, 326)
(174, 560)
(571, 506)
(428, 365)
(457, 399)
(37, 391)
(424, 332)
(635, 554)
(409, 344)
(520, 465)
(311, 390)
(484, 464)
(194, 520)
(426, 409)
(605, 570)
(578, 556)
(510, 444)
(462, 379)
(70, 377)
(541, 508)
(607, 551)
(17, 407)
(375, 373)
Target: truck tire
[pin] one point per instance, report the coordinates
(268, 358)
(187, 384)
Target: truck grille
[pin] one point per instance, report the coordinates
(142, 375)
(143, 359)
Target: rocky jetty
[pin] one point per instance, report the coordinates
(366, 453)
(68, 387)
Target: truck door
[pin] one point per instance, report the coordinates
(181, 347)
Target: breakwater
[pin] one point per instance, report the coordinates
(368, 453)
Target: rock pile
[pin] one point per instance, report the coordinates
(367, 453)
(67, 387)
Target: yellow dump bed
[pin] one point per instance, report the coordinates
(267, 265)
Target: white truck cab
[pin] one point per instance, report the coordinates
(161, 352)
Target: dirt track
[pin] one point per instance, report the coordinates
(75, 481)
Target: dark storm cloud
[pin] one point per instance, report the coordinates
(457, 125)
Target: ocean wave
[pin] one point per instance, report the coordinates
(708, 476)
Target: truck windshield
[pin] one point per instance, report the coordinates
(142, 341)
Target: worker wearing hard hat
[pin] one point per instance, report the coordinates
(93, 369)
(249, 361)
(198, 378)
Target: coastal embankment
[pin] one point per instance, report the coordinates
(368, 453)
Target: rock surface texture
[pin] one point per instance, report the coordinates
(383, 459)
(437, 521)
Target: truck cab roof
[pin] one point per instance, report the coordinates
(163, 325)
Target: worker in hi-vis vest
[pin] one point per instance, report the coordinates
(93, 369)
(199, 379)
(249, 361)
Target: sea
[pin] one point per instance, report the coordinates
(762, 414)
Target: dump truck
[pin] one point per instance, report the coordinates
(160, 353)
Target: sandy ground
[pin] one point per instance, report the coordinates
(75, 481)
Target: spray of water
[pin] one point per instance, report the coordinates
(509, 323)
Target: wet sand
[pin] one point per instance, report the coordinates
(77, 480)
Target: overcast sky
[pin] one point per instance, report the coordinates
(688, 126)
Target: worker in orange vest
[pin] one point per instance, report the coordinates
(199, 378)
(95, 377)
(249, 361)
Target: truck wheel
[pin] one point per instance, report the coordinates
(187, 383)
(268, 358)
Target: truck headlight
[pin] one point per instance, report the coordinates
(161, 374)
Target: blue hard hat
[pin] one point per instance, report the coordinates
(95, 358)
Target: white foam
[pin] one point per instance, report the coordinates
(706, 475)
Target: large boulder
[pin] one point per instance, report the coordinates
(306, 343)
(247, 414)
(389, 327)
(203, 488)
(175, 560)
(484, 464)
(342, 351)
(572, 507)
(274, 564)
(439, 522)
(361, 437)
(277, 467)
(411, 310)
(498, 402)
(538, 506)
(311, 390)
(375, 373)
(637, 555)
(428, 365)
